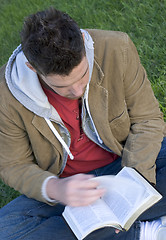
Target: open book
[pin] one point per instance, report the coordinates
(128, 195)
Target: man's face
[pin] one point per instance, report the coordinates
(72, 86)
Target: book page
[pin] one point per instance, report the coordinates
(134, 176)
(122, 195)
(119, 205)
(81, 214)
(90, 217)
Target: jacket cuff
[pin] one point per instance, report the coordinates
(43, 190)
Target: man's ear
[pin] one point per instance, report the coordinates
(83, 36)
(30, 67)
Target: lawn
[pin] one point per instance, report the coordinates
(144, 21)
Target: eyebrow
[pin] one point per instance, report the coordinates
(80, 78)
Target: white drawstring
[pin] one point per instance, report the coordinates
(59, 138)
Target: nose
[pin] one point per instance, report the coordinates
(78, 90)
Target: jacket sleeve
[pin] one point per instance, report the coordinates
(146, 133)
(18, 167)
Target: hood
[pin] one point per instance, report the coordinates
(25, 86)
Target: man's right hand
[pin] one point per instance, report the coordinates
(77, 190)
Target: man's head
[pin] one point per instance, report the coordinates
(52, 42)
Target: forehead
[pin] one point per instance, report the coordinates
(76, 74)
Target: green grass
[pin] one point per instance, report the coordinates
(144, 21)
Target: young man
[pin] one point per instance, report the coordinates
(75, 102)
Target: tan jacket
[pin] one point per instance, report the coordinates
(123, 107)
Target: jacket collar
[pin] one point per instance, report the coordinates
(98, 74)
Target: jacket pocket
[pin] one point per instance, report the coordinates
(120, 126)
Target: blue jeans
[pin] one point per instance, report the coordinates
(28, 219)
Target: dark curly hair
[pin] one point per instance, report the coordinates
(52, 42)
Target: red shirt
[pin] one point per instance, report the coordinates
(87, 154)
